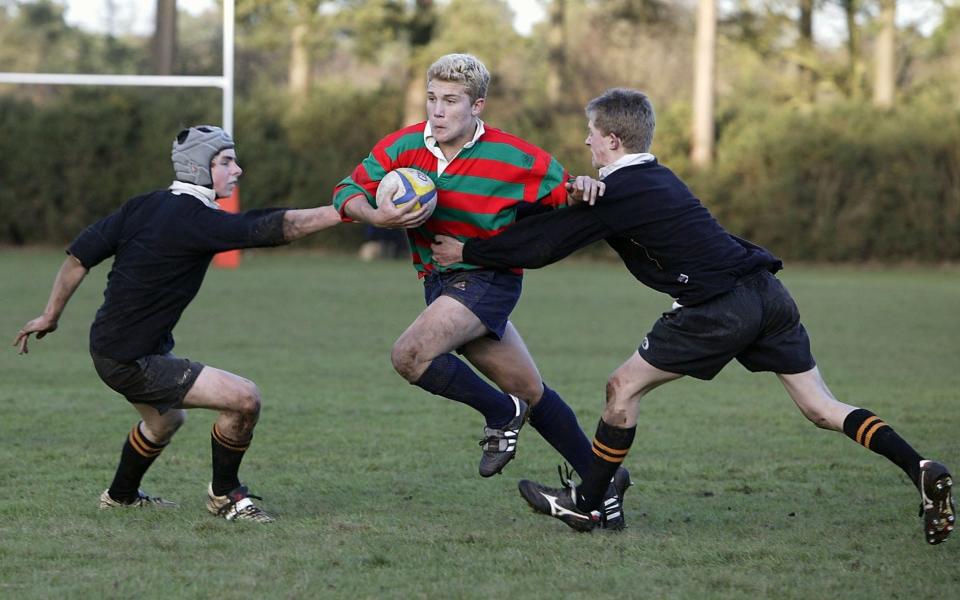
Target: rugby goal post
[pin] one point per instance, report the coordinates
(230, 259)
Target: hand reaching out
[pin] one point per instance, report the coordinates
(42, 325)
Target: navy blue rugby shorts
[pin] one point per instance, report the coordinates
(160, 380)
(757, 323)
(491, 295)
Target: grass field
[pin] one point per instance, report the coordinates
(374, 481)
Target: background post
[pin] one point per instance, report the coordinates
(231, 258)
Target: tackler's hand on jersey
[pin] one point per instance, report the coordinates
(584, 188)
(446, 250)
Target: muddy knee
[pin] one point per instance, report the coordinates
(617, 390)
(619, 406)
(249, 401)
(407, 361)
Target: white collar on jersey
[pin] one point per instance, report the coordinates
(434, 147)
(625, 161)
(201, 193)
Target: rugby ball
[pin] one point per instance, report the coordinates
(405, 185)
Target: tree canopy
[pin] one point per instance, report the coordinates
(801, 130)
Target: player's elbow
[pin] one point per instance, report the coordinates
(541, 256)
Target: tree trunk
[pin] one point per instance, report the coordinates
(884, 86)
(299, 74)
(165, 37)
(421, 32)
(854, 68)
(808, 74)
(414, 102)
(703, 83)
(556, 53)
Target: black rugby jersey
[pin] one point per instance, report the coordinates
(666, 238)
(162, 243)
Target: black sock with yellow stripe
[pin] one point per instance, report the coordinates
(136, 457)
(868, 430)
(227, 455)
(610, 446)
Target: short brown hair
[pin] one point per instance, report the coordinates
(626, 113)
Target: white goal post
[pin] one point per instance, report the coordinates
(224, 82)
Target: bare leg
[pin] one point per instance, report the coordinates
(616, 429)
(627, 385)
(158, 428)
(236, 398)
(814, 399)
(508, 363)
(238, 401)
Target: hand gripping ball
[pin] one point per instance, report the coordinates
(405, 185)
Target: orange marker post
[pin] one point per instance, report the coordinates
(231, 258)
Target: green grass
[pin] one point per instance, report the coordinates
(374, 481)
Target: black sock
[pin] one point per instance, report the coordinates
(227, 455)
(610, 446)
(450, 377)
(557, 423)
(866, 429)
(136, 457)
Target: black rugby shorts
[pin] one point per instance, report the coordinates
(160, 380)
(757, 323)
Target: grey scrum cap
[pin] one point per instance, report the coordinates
(194, 148)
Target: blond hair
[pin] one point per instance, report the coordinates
(462, 68)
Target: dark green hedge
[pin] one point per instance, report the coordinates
(848, 184)
(80, 153)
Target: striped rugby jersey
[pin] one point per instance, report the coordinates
(478, 193)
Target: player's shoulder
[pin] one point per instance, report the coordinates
(151, 196)
(411, 135)
(147, 201)
(496, 135)
(135, 212)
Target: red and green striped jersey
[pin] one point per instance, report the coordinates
(478, 193)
